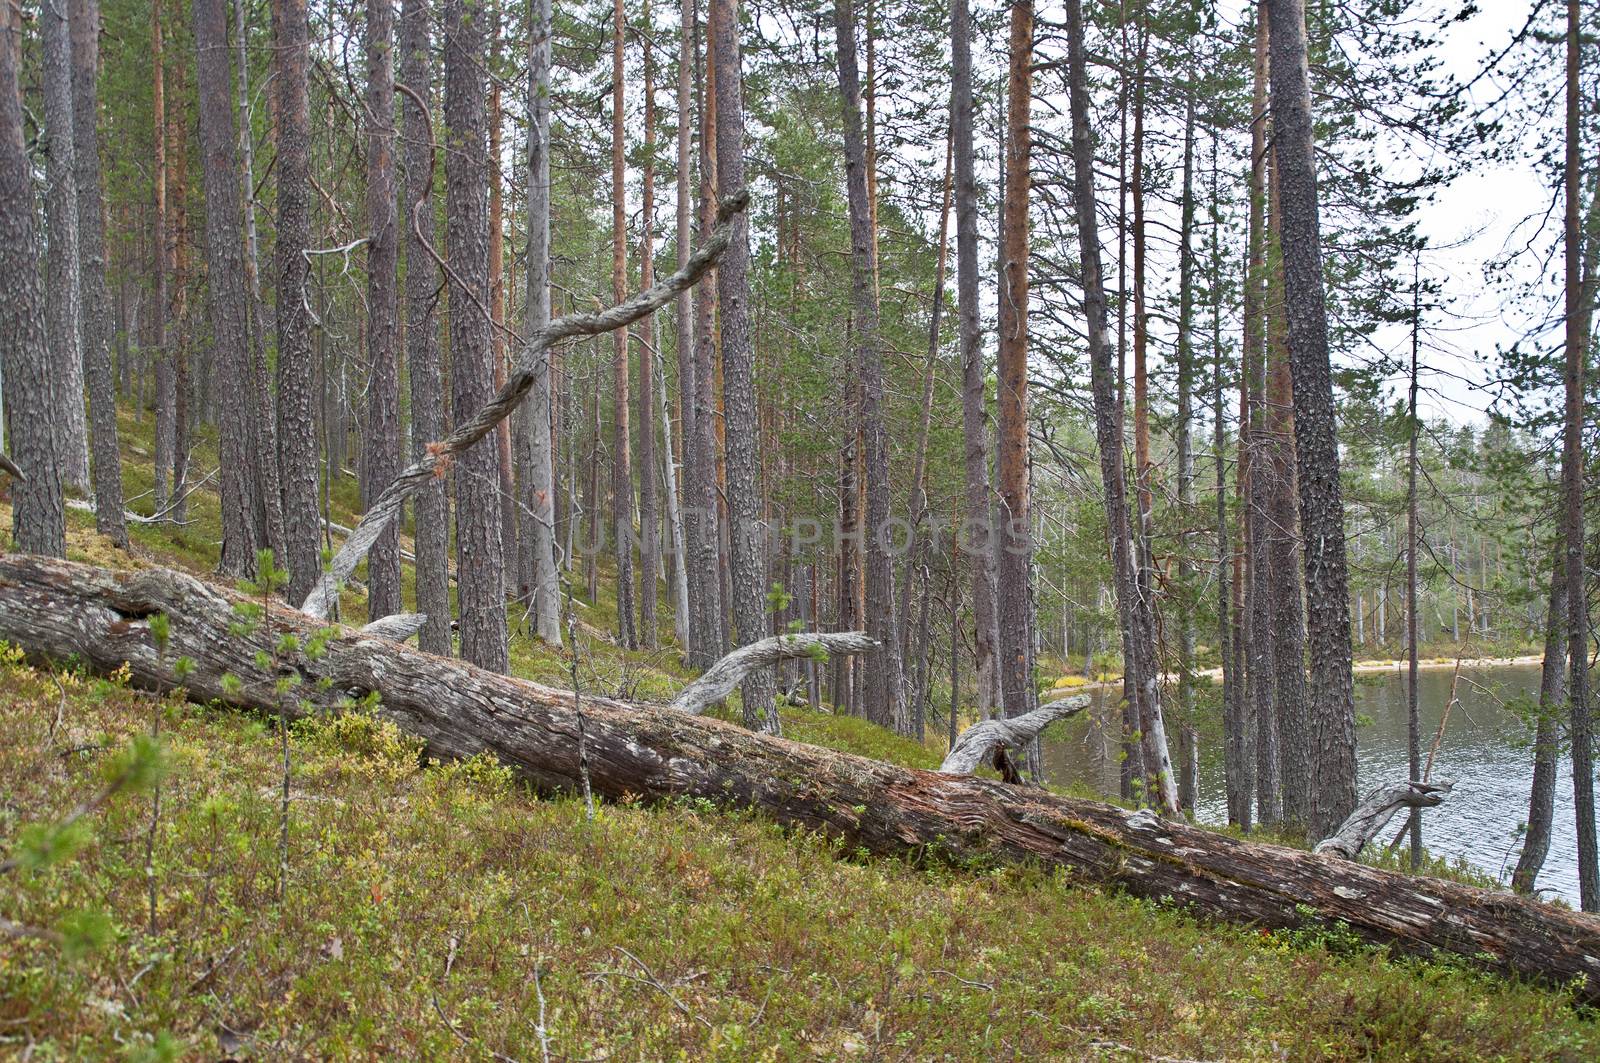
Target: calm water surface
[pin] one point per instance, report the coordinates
(1485, 749)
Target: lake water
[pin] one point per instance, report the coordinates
(1485, 748)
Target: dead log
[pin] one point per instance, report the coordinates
(396, 627)
(1377, 809)
(55, 609)
(718, 681)
(976, 741)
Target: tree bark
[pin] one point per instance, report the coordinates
(1236, 729)
(226, 296)
(297, 369)
(1275, 478)
(975, 432)
(677, 575)
(1331, 700)
(479, 559)
(166, 396)
(1144, 496)
(63, 296)
(697, 582)
(649, 517)
(96, 319)
(1258, 648)
(917, 547)
(380, 451)
(1014, 557)
(1189, 778)
(1413, 541)
(263, 421)
(1573, 492)
(38, 518)
(1547, 738)
(1137, 617)
(885, 681)
(422, 333)
(704, 522)
(539, 479)
(621, 437)
(56, 608)
(746, 535)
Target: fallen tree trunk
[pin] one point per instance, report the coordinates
(56, 609)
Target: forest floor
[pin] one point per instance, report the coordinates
(432, 910)
(443, 909)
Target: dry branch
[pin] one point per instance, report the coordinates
(397, 627)
(1375, 811)
(387, 505)
(719, 680)
(976, 742)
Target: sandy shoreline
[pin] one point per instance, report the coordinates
(1359, 668)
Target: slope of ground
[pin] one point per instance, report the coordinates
(428, 909)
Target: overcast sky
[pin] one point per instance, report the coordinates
(1472, 220)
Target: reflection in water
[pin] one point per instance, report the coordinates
(1485, 748)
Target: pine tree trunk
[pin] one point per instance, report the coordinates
(506, 492)
(1331, 704)
(63, 294)
(263, 427)
(538, 481)
(166, 395)
(746, 536)
(38, 518)
(690, 559)
(177, 290)
(1275, 475)
(979, 547)
(1236, 730)
(621, 436)
(649, 518)
(1413, 541)
(225, 290)
(1188, 781)
(1258, 643)
(432, 512)
(297, 368)
(704, 524)
(1572, 483)
(885, 702)
(1144, 522)
(96, 320)
(380, 451)
(479, 559)
(917, 547)
(1138, 621)
(1547, 736)
(1014, 554)
(677, 574)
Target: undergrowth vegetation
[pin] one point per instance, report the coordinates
(436, 909)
